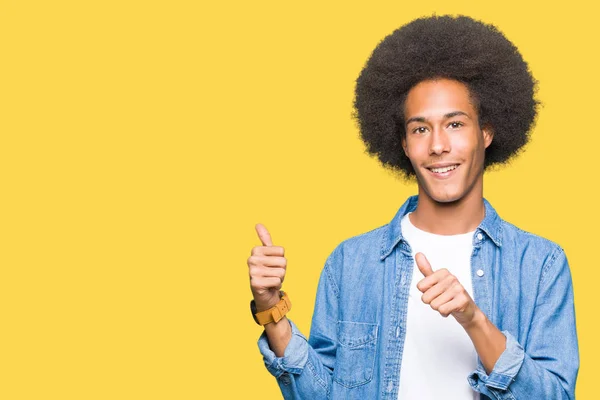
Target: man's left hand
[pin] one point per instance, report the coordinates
(445, 294)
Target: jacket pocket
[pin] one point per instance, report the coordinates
(355, 355)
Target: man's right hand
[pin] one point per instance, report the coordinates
(266, 267)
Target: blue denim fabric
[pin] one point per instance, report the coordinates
(359, 322)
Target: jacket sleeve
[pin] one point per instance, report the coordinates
(547, 368)
(305, 370)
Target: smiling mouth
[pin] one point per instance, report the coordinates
(442, 170)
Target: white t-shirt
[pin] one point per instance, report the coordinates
(438, 354)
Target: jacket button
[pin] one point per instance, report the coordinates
(479, 236)
(285, 379)
(480, 272)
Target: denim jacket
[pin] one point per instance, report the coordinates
(359, 321)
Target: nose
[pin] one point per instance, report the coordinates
(439, 142)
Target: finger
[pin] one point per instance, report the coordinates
(268, 261)
(423, 264)
(263, 235)
(268, 282)
(268, 251)
(436, 290)
(456, 304)
(445, 297)
(427, 283)
(261, 271)
(274, 273)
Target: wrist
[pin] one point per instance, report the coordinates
(262, 305)
(478, 322)
(272, 314)
(279, 335)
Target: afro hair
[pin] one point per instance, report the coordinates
(459, 48)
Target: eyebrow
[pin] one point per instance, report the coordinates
(446, 116)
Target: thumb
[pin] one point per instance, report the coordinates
(263, 235)
(423, 264)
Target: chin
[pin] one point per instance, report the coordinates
(445, 196)
(446, 199)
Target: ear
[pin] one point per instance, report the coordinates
(404, 146)
(488, 135)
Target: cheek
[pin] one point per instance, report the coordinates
(464, 142)
(414, 148)
(469, 146)
(478, 157)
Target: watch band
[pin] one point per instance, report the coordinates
(273, 314)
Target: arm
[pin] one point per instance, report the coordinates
(305, 369)
(547, 368)
(267, 267)
(445, 294)
(279, 335)
(489, 342)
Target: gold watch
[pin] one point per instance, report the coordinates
(273, 314)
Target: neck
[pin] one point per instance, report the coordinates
(451, 218)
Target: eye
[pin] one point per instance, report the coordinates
(419, 129)
(455, 124)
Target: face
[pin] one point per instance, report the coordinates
(444, 141)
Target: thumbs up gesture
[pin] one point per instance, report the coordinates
(266, 267)
(444, 293)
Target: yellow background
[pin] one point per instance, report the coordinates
(142, 140)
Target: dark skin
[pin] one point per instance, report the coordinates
(267, 266)
(446, 147)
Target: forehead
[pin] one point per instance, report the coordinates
(434, 98)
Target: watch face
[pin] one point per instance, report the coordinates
(253, 311)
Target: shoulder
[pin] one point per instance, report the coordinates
(359, 252)
(366, 243)
(531, 248)
(513, 235)
(372, 237)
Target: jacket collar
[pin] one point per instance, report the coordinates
(491, 225)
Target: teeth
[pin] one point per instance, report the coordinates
(444, 169)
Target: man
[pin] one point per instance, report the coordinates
(440, 99)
